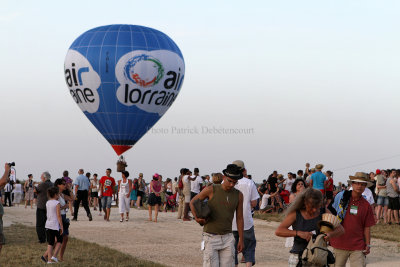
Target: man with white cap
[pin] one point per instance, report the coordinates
(357, 217)
(250, 197)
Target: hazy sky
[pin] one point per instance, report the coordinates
(312, 81)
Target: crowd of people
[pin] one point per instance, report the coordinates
(231, 198)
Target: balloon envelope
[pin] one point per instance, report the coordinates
(124, 78)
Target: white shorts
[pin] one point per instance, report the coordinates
(219, 250)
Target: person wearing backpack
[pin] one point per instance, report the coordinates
(303, 215)
(357, 218)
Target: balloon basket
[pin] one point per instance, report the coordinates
(121, 164)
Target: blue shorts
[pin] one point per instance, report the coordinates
(106, 202)
(382, 201)
(65, 222)
(249, 250)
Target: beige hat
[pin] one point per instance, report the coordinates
(360, 177)
(319, 166)
(328, 223)
(239, 163)
(140, 174)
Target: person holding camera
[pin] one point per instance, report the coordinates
(3, 182)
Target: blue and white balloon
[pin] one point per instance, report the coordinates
(124, 78)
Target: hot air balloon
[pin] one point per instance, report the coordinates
(124, 78)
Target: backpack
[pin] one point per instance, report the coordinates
(316, 253)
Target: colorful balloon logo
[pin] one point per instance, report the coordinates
(124, 78)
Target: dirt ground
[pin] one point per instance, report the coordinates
(177, 243)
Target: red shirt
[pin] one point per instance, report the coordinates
(108, 185)
(329, 184)
(353, 238)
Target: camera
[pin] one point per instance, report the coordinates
(11, 164)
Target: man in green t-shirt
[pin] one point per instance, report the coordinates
(223, 200)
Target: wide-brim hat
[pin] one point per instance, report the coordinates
(360, 177)
(328, 223)
(319, 166)
(233, 171)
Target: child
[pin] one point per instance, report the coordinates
(54, 225)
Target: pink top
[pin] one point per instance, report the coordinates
(156, 186)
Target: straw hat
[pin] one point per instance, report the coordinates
(319, 166)
(328, 223)
(360, 177)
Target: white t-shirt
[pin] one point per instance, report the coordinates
(52, 221)
(195, 185)
(289, 183)
(250, 193)
(264, 201)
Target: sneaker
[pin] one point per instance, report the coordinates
(74, 219)
(121, 220)
(100, 214)
(127, 219)
(54, 259)
(90, 217)
(43, 259)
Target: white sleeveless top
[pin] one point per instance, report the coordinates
(62, 203)
(17, 188)
(124, 187)
(52, 221)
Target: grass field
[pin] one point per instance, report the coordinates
(22, 249)
(386, 232)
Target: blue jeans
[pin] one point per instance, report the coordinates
(249, 250)
(106, 202)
